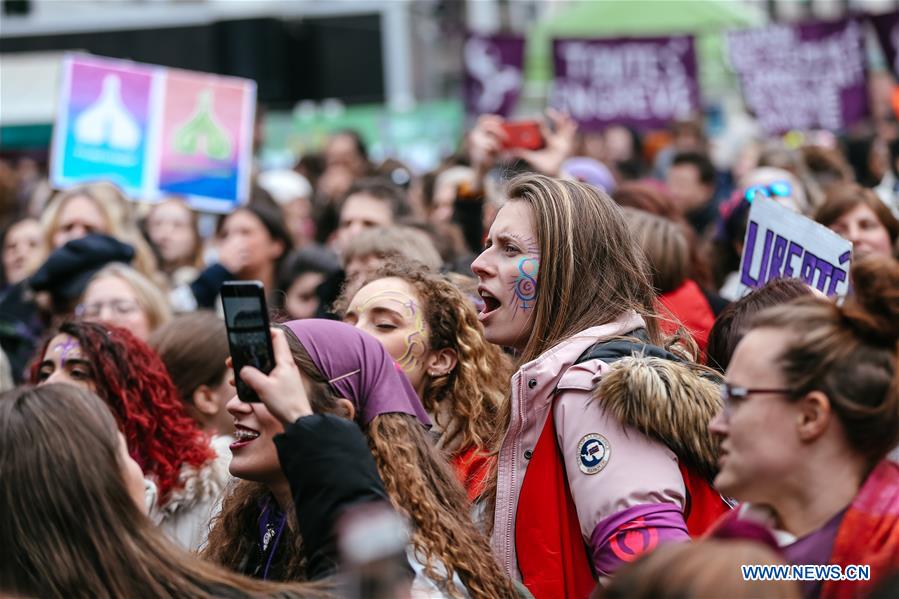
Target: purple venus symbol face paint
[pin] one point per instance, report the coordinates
(65, 348)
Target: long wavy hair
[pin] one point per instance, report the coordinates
(476, 388)
(134, 383)
(421, 486)
(68, 526)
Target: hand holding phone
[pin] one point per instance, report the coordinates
(281, 390)
(246, 320)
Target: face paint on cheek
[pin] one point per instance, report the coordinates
(415, 342)
(414, 346)
(525, 285)
(65, 349)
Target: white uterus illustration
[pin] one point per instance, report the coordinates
(107, 121)
(485, 64)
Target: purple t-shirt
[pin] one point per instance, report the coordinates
(814, 548)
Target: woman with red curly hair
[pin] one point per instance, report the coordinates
(185, 478)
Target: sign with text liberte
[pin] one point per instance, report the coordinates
(780, 243)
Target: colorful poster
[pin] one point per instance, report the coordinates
(780, 243)
(154, 131)
(887, 28)
(103, 125)
(493, 76)
(802, 77)
(644, 83)
(206, 127)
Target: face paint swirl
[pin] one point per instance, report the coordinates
(525, 285)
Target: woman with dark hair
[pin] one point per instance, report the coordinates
(258, 237)
(72, 516)
(187, 478)
(348, 373)
(858, 215)
(305, 277)
(578, 491)
(734, 321)
(810, 413)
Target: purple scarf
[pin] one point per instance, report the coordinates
(358, 368)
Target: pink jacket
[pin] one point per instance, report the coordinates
(640, 480)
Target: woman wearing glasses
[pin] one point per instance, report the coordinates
(811, 410)
(120, 295)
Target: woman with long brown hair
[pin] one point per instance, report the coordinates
(431, 329)
(577, 491)
(72, 516)
(351, 374)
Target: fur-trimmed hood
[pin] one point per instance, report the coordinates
(198, 486)
(668, 401)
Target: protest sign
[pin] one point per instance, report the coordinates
(154, 131)
(493, 75)
(780, 243)
(103, 123)
(643, 83)
(887, 28)
(804, 76)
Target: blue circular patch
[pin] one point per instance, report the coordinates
(594, 452)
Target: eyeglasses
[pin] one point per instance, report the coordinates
(118, 307)
(732, 395)
(777, 189)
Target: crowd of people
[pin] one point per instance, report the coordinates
(528, 373)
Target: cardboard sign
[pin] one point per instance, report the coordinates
(154, 131)
(644, 83)
(493, 77)
(804, 76)
(780, 243)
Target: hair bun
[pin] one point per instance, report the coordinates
(873, 308)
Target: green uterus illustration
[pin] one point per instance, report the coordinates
(201, 132)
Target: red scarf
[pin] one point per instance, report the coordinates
(868, 534)
(472, 467)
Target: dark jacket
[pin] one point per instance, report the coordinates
(330, 468)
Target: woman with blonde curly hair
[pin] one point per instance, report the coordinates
(95, 208)
(431, 329)
(346, 372)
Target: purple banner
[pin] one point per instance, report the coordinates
(644, 83)
(805, 76)
(493, 75)
(887, 27)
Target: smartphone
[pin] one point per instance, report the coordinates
(523, 134)
(249, 338)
